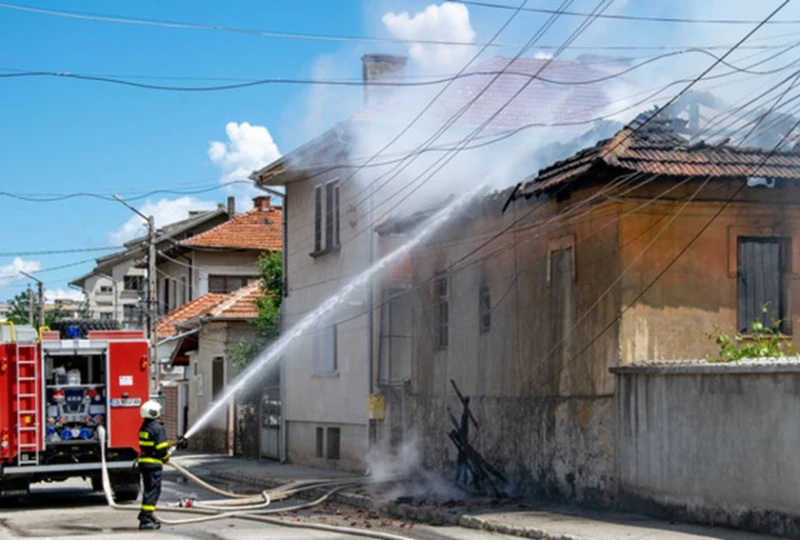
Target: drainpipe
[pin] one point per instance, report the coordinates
(370, 325)
(285, 242)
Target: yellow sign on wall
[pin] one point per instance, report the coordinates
(376, 408)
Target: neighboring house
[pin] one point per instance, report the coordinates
(222, 259)
(203, 332)
(116, 288)
(5, 309)
(330, 237)
(531, 295)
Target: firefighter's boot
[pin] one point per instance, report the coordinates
(149, 523)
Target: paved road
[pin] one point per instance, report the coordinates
(71, 510)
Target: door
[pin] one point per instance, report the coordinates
(271, 422)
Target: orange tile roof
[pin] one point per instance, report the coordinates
(259, 229)
(240, 304)
(192, 310)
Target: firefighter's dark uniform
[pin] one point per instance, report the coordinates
(154, 452)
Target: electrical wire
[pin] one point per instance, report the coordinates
(638, 18)
(22, 73)
(357, 39)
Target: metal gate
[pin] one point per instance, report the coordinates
(271, 422)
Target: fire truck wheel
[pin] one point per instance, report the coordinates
(97, 483)
(125, 486)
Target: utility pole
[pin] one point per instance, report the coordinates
(40, 285)
(30, 306)
(152, 303)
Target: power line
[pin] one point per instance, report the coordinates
(23, 73)
(222, 28)
(358, 39)
(57, 251)
(639, 18)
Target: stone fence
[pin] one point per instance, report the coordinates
(711, 442)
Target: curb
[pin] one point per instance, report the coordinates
(425, 515)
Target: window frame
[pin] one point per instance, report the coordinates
(484, 307)
(246, 279)
(327, 218)
(441, 292)
(319, 358)
(784, 281)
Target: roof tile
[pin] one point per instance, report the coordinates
(258, 229)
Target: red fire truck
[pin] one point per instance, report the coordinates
(56, 388)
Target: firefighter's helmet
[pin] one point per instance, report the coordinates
(150, 410)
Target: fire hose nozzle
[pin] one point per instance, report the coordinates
(182, 443)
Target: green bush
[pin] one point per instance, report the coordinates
(761, 342)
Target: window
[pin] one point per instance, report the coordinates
(395, 343)
(184, 294)
(106, 316)
(334, 442)
(133, 283)
(320, 442)
(106, 289)
(326, 225)
(217, 376)
(129, 313)
(442, 310)
(762, 282)
(325, 357)
(227, 284)
(485, 307)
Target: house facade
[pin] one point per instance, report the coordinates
(115, 289)
(204, 332)
(332, 209)
(631, 251)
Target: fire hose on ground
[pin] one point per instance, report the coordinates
(249, 507)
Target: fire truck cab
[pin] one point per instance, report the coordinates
(55, 392)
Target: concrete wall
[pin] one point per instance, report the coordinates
(538, 378)
(671, 321)
(716, 443)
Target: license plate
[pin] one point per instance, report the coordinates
(126, 402)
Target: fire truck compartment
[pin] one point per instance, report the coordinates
(75, 397)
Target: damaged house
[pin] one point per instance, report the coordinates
(331, 208)
(623, 257)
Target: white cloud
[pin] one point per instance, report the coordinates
(165, 211)
(446, 22)
(249, 147)
(10, 273)
(51, 296)
(541, 55)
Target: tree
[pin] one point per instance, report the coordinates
(19, 307)
(268, 319)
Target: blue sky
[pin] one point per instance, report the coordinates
(63, 136)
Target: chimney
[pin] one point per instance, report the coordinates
(231, 207)
(262, 202)
(383, 67)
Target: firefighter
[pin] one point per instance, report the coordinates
(154, 452)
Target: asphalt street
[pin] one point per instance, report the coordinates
(71, 510)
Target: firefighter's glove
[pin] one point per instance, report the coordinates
(182, 443)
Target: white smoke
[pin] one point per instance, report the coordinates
(403, 472)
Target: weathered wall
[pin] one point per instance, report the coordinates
(673, 318)
(311, 400)
(715, 443)
(538, 378)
